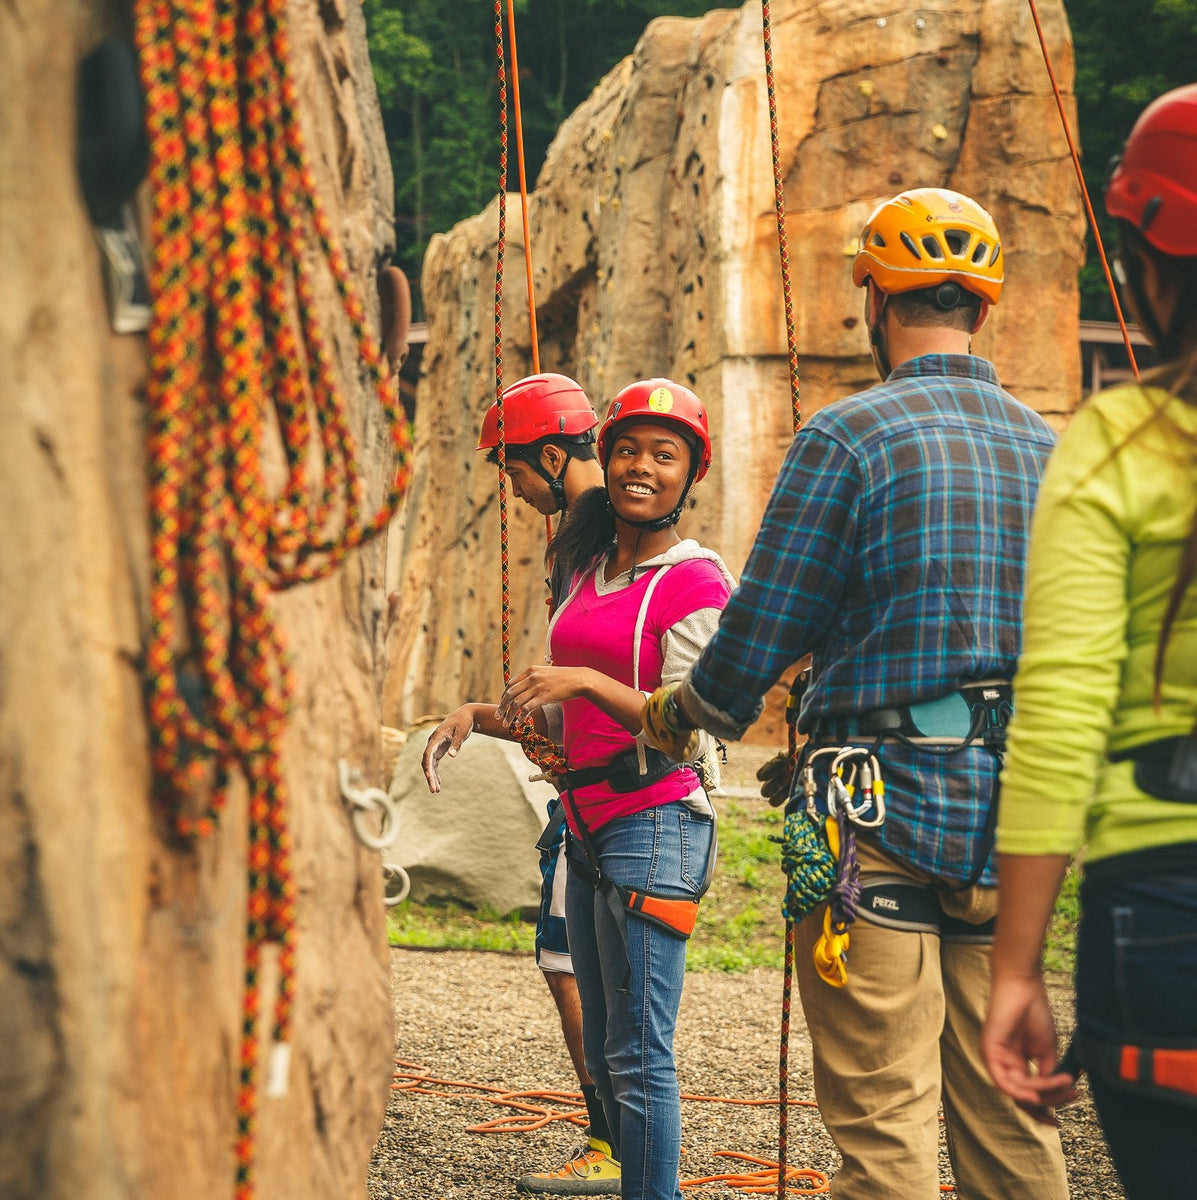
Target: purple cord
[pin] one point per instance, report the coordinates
(845, 893)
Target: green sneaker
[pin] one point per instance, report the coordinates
(590, 1172)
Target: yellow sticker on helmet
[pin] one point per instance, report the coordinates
(660, 400)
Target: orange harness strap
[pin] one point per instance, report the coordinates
(676, 915)
(1170, 1070)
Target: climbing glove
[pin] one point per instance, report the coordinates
(666, 727)
(775, 776)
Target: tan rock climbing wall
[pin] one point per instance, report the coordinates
(655, 252)
(120, 951)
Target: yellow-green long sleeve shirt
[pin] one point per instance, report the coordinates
(1114, 512)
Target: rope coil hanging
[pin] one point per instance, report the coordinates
(233, 208)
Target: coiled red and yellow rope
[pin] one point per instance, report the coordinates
(238, 356)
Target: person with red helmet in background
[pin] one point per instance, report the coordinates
(1103, 744)
(891, 551)
(641, 603)
(551, 461)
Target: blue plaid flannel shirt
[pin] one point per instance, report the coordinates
(893, 550)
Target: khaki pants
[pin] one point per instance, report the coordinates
(901, 1037)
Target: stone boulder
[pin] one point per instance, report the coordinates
(655, 252)
(474, 841)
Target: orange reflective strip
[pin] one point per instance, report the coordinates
(1176, 1069)
(1172, 1069)
(677, 914)
(1128, 1065)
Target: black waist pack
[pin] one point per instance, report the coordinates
(1166, 769)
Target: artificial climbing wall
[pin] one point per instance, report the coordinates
(121, 950)
(655, 252)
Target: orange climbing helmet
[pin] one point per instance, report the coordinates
(536, 407)
(930, 236)
(659, 400)
(1153, 184)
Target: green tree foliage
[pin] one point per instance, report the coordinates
(437, 74)
(1127, 53)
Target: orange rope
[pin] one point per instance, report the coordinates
(537, 1109)
(538, 748)
(1080, 178)
(233, 203)
(519, 155)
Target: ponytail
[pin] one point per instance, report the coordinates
(1179, 376)
(584, 535)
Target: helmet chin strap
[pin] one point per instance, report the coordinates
(556, 485)
(880, 357)
(876, 339)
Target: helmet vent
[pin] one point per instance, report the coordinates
(997, 249)
(982, 249)
(957, 240)
(908, 242)
(933, 248)
(877, 239)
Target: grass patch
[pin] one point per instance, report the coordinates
(740, 925)
(1060, 952)
(739, 922)
(458, 927)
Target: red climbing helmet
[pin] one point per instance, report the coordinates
(658, 400)
(1153, 185)
(537, 407)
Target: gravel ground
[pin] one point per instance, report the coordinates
(488, 1019)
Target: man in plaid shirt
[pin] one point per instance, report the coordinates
(892, 550)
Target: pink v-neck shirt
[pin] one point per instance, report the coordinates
(596, 631)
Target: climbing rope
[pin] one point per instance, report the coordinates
(519, 158)
(233, 205)
(779, 205)
(537, 1109)
(1080, 178)
(539, 749)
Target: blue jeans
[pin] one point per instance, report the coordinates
(1136, 984)
(630, 984)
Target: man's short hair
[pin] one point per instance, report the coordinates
(925, 307)
(581, 448)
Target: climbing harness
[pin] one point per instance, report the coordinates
(634, 768)
(233, 204)
(975, 712)
(1158, 1072)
